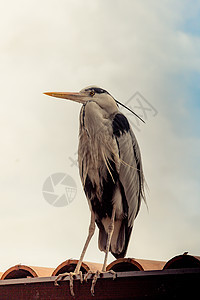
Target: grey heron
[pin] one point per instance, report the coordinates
(110, 168)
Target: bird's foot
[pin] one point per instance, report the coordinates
(71, 278)
(95, 277)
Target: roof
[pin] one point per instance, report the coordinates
(119, 265)
(136, 278)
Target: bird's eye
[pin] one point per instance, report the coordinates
(92, 93)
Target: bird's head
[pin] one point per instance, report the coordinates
(91, 93)
(96, 94)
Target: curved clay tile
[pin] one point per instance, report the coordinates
(70, 265)
(23, 271)
(124, 265)
(134, 264)
(183, 261)
(19, 271)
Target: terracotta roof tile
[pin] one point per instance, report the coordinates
(119, 265)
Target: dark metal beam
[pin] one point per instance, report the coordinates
(165, 284)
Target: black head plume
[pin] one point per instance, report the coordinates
(130, 110)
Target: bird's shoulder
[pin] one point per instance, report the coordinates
(120, 124)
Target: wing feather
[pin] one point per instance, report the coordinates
(130, 174)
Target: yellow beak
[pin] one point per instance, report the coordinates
(77, 97)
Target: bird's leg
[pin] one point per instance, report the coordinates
(78, 266)
(90, 234)
(110, 233)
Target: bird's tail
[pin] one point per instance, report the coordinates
(120, 238)
(120, 248)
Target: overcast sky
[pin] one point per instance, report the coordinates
(151, 48)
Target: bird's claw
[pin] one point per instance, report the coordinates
(71, 278)
(87, 274)
(95, 277)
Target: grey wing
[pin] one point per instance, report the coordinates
(130, 173)
(131, 180)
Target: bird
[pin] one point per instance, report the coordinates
(110, 168)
